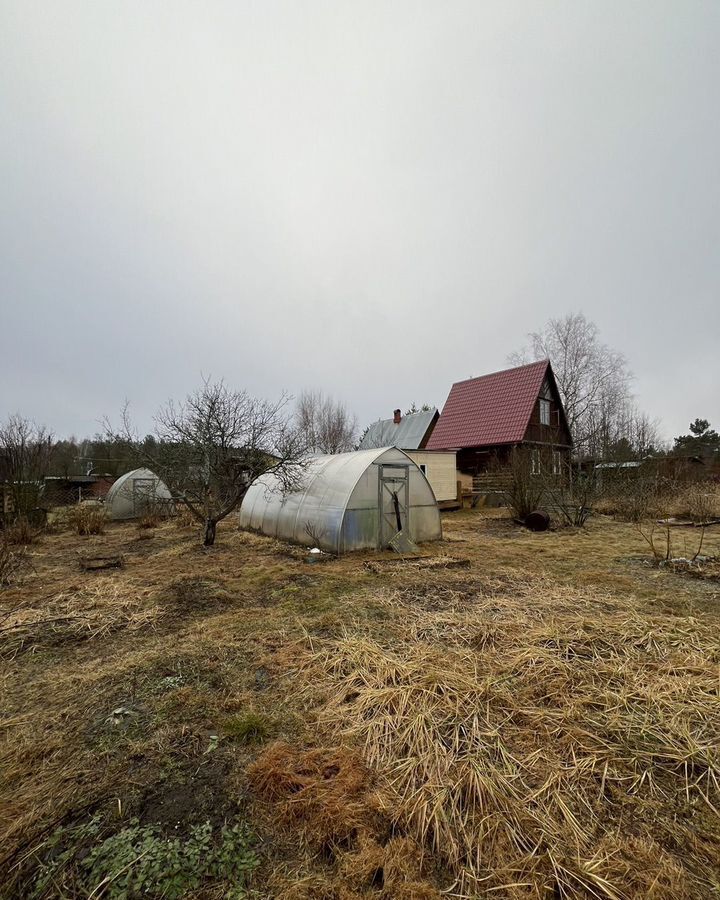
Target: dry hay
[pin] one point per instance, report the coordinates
(566, 754)
(323, 791)
(75, 615)
(328, 795)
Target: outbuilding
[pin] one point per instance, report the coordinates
(349, 501)
(411, 433)
(136, 493)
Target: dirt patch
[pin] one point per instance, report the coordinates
(195, 594)
(200, 792)
(410, 564)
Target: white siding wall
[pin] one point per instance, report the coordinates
(440, 471)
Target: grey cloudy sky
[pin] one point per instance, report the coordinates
(376, 199)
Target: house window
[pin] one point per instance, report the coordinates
(423, 469)
(544, 412)
(557, 462)
(535, 462)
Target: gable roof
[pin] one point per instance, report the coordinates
(492, 409)
(408, 434)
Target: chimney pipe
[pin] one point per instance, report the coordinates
(397, 416)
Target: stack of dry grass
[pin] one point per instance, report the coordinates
(573, 752)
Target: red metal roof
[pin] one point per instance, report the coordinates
(491, 409)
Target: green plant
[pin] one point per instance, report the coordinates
(248, 728)
(140, 860)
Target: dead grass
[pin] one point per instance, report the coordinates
(92, 612)
(328, 795)
(533, 712)
(535, 756)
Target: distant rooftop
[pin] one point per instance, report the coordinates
(410, 433)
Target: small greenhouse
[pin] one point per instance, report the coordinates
(349, 501)
(137, 493)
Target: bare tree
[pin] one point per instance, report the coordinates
(25, 454)
(210, 448)
(327, 425)
(593, 380)
(524, 489)
(570, 495)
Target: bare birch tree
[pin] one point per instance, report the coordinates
(326, 423)
(25, 455)
(593, 380)
(211, 447)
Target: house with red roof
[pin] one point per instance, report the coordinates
(485, 418)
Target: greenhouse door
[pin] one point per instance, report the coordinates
(143, 495)
(393, 502)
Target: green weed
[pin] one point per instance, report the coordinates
(140, 860)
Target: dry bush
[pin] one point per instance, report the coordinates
(149, 520)
(698, 501)
(540, 757)
(87, 519)
(654, 504)
(184, 518)
(636, 497)
(572, 495)
(524, 492)
(12, 561)
(21, 532)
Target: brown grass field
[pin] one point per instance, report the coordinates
(512, 715)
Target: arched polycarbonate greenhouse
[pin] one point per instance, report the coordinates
(136, 493)
(349, 501)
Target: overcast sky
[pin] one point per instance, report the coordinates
(374, 199)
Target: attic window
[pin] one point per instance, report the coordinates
(544, 412)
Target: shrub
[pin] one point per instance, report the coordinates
(11, 561)
(21, 532)
(524, 492)
(184, 518)
(150, 519)
(87, 519)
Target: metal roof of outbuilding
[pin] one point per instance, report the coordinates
(408, 434)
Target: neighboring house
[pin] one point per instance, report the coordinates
(662, 468)
(411, 434)
(64, 490)
(485, 418)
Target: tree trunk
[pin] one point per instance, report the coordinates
(210, 526)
